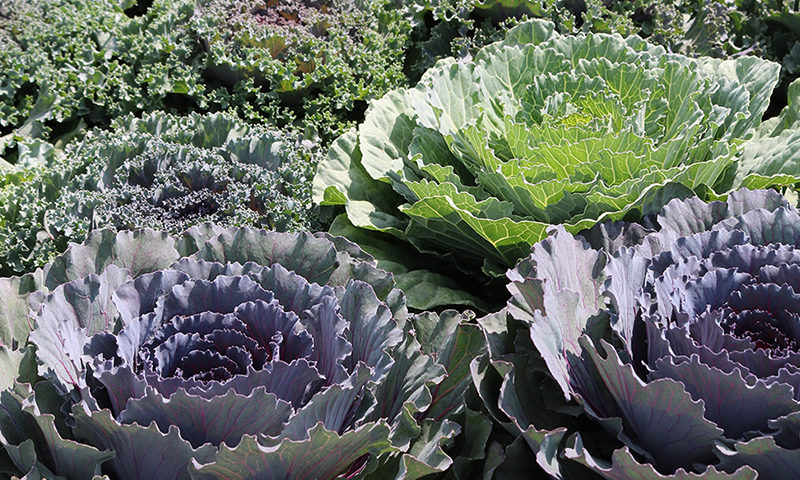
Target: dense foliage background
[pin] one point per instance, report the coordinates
(454, 239)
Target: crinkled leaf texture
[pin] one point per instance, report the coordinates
(301, 59)
(235, 353)
(675, 355)
(161, 171)
(479, 159)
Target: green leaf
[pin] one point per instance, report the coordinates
(623, 466)
(324, 454)
(10, 361)
(453, 343)
(424, 289)
(761, 454)
(31, 437)
(426, 457)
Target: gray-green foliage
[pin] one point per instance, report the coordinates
(72, 63)
(164, 172)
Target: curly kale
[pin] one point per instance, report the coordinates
(70, 64)
(73, 63)
(164, 172)
(314, 61)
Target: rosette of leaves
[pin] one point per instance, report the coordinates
(164, 172)
(168, 173)
(318, 61)
(673, 357)
(479, 159)
(220, 354)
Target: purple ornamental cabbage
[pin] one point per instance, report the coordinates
(232, 354)
(677, 357)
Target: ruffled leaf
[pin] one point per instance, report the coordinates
(324, 454)
(31, 437)
(141, 452)
(674, 436)
(624, 466)
(763, 455)
(222, 419)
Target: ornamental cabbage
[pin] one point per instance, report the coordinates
(163, 172)
(479, 159)
(228, 354)
(678, 355)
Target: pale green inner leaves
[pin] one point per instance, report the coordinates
(574, 130)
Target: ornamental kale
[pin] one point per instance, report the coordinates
(458, 28)
(677, 355)
(163, 172)
(73, 64)
(70, 64)
(227, 354)
(477, 161)
(319, 61)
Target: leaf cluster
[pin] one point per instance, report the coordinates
(318, 61)
(77, 63)
(164, 172)
(225, 353)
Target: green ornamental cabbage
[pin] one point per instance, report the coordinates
(669, 354)
(225, 354)
(479, 159)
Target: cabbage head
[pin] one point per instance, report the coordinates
(483, 156)
(675, 356)
(226, 354)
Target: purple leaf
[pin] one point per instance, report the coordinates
(660, 416)
(141, 453)
(733, 404)
(220, 419)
